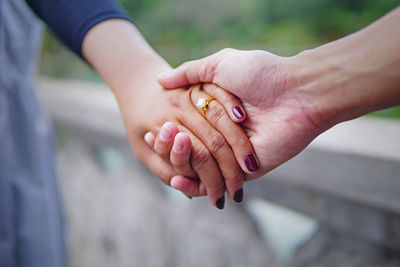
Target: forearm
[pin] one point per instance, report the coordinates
(70, 20)
(119, 53)
(354, 75)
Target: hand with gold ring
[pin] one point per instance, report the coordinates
(217, 114)
(213, 162)
(213, 158)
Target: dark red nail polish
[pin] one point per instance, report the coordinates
(238, 196)
(238, 112)
(251, 163)
(221, 202)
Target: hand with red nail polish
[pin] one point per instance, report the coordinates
(177, 147)
(278, 124)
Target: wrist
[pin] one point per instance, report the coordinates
(121, 56)
(315, 87)
(352, 76)
(332, 86)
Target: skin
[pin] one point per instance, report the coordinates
(125, 61)
(289, 101)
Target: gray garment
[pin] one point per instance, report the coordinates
(31, 225)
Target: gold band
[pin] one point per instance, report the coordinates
(204, 107)
(202, 103)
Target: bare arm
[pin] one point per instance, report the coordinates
(120, 54)
(355, 75)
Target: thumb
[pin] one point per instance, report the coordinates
(189, 73)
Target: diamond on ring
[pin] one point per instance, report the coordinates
(201, 103)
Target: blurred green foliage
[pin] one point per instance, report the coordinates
(182, 30)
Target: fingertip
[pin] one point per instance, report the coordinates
(176, 182)
(170, 126)
(182, 137)
(182, 143)
(251, 162)
(238, 114)
(185, 185)
(149, 138)
(167, 132)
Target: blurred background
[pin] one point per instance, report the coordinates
(336, 204)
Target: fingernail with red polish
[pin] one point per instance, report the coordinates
(251, 163)
(238, 112)
(221, 202)
(238, 196)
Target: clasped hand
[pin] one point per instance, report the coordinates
(214, 161)
(278, 125)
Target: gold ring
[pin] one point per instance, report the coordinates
(203, 104)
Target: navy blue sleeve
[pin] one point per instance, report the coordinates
(70, 20)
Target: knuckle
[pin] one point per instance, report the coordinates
(217, 188)
(216, 113)
(174, 101)
(207, 72)
(241, 141)
(229, 98)
(235, 180)
(200, 158)
(217, 142)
